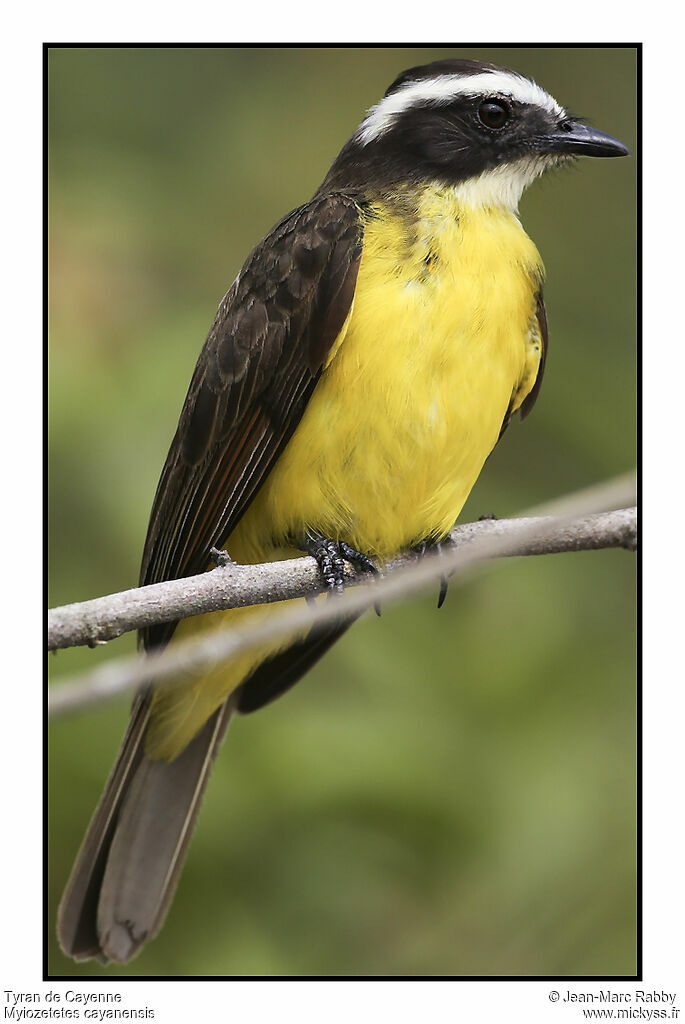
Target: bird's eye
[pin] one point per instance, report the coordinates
(493, 113)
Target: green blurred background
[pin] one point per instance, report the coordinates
(446, 793)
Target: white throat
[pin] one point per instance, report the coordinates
(502, 186)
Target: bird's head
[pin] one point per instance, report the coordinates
(483, 129)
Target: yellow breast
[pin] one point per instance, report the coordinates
(409, 407)
(412, 400)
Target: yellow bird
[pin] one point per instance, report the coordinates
(357, 375)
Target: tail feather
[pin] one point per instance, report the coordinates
(129, 864)
(130, 861)
(277, 674)
(77, 911)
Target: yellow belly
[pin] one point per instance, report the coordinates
(405, 414)
(412, 402)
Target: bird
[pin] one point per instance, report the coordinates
(359, 371)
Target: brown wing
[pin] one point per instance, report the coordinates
(530, 399)
(256, 372)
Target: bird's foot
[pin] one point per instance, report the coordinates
(425, 547)
(487, 516)
(331, 557)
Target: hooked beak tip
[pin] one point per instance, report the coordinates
(578, 139)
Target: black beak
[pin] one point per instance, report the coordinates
(579, 139)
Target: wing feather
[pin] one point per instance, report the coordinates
(542, 335)
(258, 368)
(541, 315)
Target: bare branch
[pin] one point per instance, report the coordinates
(470, 545)
(235, 586)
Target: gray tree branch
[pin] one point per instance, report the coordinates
(236, 586)
(472, 544)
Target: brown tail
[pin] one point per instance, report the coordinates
(127, 869)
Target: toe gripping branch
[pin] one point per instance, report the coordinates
(426, 547)
(331, 556)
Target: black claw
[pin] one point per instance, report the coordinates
(421, 549)
(488, 515)
(443, 582)
(331, 556)
(357, 558)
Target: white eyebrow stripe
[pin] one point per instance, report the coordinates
(448, 87)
